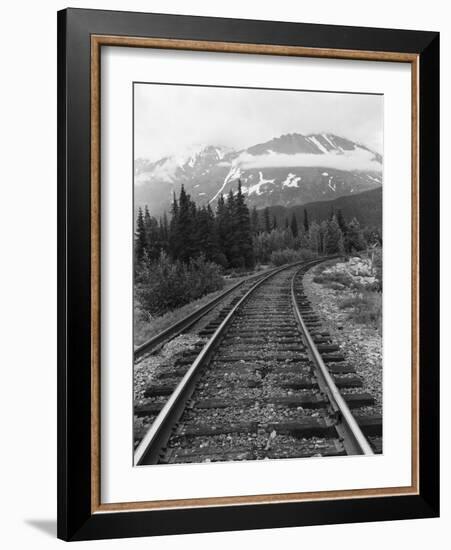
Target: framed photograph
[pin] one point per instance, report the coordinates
(248, 274)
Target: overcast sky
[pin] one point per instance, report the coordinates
(170, 119)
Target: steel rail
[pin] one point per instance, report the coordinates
(357, 440)
(160, 430)
(188, 321)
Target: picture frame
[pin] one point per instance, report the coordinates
(81, 36)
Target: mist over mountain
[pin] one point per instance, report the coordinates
(289, 170)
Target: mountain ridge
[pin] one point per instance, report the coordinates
(366, 207)
(287, 170)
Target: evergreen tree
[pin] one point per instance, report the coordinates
(372, 236)
(243, 234)
(315, 237)
(303, 238)
(287, 224)
(266, 220)
(172, 237)
(195, 245)
(147, 218)
(341, 221)
(232, 249)
(322, 234)
(213, 251)
(164, 232)
(354, 240)
(206, 234)
(184, 239)
(140, 237)
(274, 222)
(294, 226)
(333, 238)
(306, 222)
(255, 222)
(222, 227)
(153, 241)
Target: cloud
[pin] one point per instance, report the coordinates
(358, 159)
(169, 118)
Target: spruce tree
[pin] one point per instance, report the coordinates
(306, 222)
(255, 222)
(372, 236)
(212, 247)
(266, 220)
(195, 245)
(341, 221)
(206, 234)
(153, 241)
(184, 241)
(304, 241)
(140, 237)
(354, 240)
(232, 249)
(333, 238)
(322, 233)
(294, 226)
(243, 231)
(274, 222)
(315, 237)
(222, 228)
(173, 228)
(164, 233)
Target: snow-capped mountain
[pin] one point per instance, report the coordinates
(288, 170)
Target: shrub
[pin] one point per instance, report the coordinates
(288, 256)
(165, 285)
(203, 277)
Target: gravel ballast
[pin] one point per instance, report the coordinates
(360, 344)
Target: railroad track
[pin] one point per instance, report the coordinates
(229, 296)
(268, 383)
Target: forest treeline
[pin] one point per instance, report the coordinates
(234, 237)
(180, 259)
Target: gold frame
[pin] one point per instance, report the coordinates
(97, 41)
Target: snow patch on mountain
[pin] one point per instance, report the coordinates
(326, 137)
(316, 142)
(291, 180)
(256, 187)
(234, 173)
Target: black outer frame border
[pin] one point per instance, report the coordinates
(75, 521)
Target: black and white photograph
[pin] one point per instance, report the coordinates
(257, 273)
(225, 277)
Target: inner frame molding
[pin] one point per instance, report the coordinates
(97, 41)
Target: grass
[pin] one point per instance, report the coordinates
(146, 327)
(364, 307)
